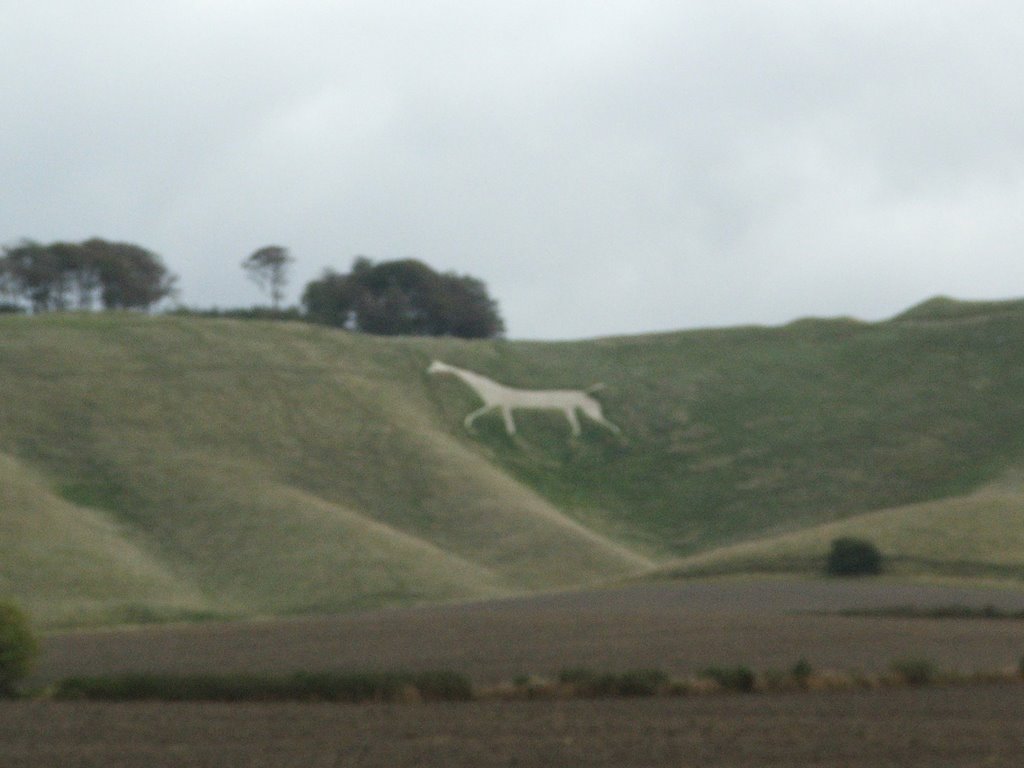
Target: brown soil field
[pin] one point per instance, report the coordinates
(941, 728)
(678, 627)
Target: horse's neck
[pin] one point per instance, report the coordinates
(476, 381)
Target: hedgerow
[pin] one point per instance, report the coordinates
(353, 687)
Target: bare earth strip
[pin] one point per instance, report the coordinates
(679, 627)
(881, 729)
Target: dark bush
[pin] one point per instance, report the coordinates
(739, 679)
(636, 682)
(641, 682)
(801, 672)
(350, 687)
(18, 648)
(914, 672)
(443, 685)
(853, 557)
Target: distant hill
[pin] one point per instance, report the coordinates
(156, 468)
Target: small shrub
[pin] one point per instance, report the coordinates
(18, 648)
(349, 687)
(914, 672)
(443, 685)
(853, 557)
(637, 682)
(801, 672)
(641, 682)
(739, 679)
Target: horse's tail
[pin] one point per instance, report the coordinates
(595, 388)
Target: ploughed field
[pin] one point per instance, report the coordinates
(679, 628)
(971, 726)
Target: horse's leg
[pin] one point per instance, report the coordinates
(510, 425)
(468, 421)
(593, 410)
(574, 422)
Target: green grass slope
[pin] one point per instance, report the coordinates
(980, 536)
(72, 563)
(735, 434)
(195, 467)
(270, 468)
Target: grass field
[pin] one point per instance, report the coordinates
(168, 468)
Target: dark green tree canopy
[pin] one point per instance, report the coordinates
(330, 300)
(403, 297)
(60, 276)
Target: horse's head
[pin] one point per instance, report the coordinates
(438, 367)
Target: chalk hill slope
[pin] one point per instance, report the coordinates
(167, 467)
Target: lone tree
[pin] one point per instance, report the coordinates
(403, 297)
(853, 557)
(268, 268)
(18, 648)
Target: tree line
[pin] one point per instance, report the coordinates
(399, 297)
(62, 276)
(404, 297)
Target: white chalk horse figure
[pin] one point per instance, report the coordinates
(497, 395)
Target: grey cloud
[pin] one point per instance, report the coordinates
(606, 168)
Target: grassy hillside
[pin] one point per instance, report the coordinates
(977, 535)
(250, 468)
(736, 433)
(73, 563)
(175, 467)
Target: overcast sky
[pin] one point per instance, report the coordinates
(606, 168)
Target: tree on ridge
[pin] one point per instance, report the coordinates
(268, 268)
(64, 275)
(403, 297)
